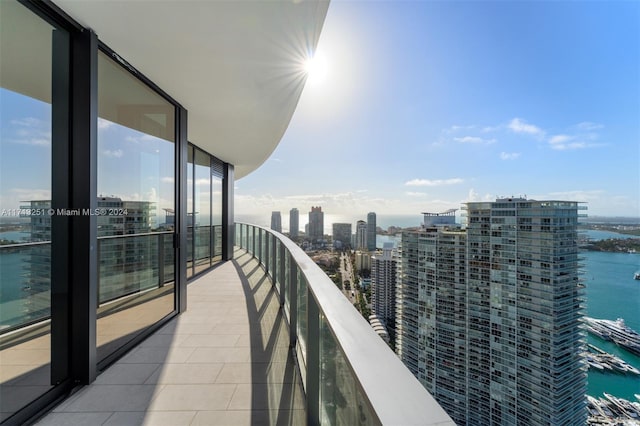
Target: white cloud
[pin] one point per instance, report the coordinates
(560, 139)
(587, 125)
(142, 138)
(28, 122)
(168, 179)
(518, 125)
(104, 124)
(33, 141)
(416, 194)
(31, 131)
(456, 128)
(474, 139)
(118, 153)
(433, 182)
(472, 195)
(569, 146)
(509, 155)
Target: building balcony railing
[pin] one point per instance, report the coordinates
(349, 374)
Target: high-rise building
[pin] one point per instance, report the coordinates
(432, 324)
(362, 260)
(316, 224)
(361, 235)
(371, 231)
(294, 223)
(342, 235)
(383, 287)
(491, 326)
(276, 221)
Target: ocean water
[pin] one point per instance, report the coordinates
(611, 293)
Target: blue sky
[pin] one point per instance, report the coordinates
(427, 105)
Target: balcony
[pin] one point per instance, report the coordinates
(267, 339)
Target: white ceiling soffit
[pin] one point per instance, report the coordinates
(236, 66)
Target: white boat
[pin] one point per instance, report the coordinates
(636, 276)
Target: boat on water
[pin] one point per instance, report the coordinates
(615, 330)
(636, 276)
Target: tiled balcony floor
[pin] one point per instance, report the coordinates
(223, 362)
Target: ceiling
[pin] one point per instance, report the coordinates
(236, 66)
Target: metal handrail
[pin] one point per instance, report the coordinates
(143, 234)
(20, 245)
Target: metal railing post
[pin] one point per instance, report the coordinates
(282, 274)
(313, 360)
(160, 260)
(293, 302)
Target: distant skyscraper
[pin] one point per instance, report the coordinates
(371, 231)
(383, 287)
(361, 235)
(294, 223)
(489, 319)
(363, 260)
(342, 234)
(316, 224)
(276, 221)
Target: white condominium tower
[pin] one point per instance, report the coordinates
(361, 235)
(294, 222)
(276, 221)
(371, 231)
(431, 323)
(503, 345)
(383, 287)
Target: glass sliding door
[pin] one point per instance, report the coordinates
(202, 214)
(216, 211)
(136, 206)
(26, 57)
(204, 211)
(190, 208)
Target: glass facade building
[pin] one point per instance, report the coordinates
(490, 317)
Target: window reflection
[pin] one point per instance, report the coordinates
(204, 207)
(25, 183)
(136, 204)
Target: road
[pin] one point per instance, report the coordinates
(346, 270)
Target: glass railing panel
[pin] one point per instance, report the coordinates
(25, 335)
(301, 330)
(217, 244)
(202, 248)
(263, 247)
(278, 280)
(287, 282)
(26, 284)
(352, 389)
(341, 401)
(135, 286)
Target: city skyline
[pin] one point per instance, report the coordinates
(428, 105)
